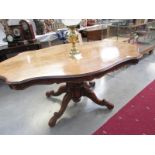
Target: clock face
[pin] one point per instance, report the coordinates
(16, 32)
(25, 26)
(9, 38)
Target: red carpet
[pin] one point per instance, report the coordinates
(135, 118)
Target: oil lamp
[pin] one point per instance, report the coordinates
(73, 34)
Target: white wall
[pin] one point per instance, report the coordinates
(2, 35)
(13, 21)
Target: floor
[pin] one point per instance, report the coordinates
(28, 111)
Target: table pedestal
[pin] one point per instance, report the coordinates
(74, 91)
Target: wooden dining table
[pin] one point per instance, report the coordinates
(55, 65)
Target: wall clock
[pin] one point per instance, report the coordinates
(21, 34)
(27, 31)
(16, 32)
(9, 38)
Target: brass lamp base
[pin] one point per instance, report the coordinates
(74, 51)
(73, 39)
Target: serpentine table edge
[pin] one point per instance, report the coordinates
(51, 80)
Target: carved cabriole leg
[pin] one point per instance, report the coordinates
(60, 91)
(90, 94)
(63, 89)
(74, 91)
(58, 114)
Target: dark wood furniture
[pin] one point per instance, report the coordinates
(94, 33)
(54, 65)
(5, 51)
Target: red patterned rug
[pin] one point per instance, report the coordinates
(135, 118)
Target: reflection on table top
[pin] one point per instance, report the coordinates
(56, 62)
(147, 44)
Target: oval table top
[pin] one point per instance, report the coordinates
(55, 62)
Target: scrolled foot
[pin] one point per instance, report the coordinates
(91, 95)
(60, 91)
(108, 105)
(150, 52)
(58, 114)
(49, 93)
(52, 121)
